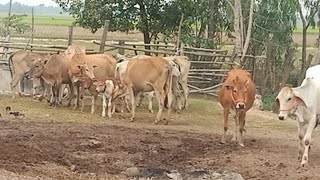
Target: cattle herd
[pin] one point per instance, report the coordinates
(124, 80)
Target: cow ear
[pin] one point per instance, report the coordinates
(94, 66)
(300, 101)
(246, 83)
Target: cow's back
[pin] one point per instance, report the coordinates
(141, 72)
(225, 96)
(106, 65)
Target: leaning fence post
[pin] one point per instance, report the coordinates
(70, 35)
(104, 36)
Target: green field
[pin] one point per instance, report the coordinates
(47, 19)
(63, 20)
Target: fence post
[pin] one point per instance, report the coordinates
(70, 35)
(104, 36)
(121, 50)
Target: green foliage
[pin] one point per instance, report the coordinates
(269, 101)
(14, 23)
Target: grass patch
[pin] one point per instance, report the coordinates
(46, 19)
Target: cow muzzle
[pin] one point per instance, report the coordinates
(281, 118)
(240, 105)
(282, 115)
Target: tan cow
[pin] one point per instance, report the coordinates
(183, 64)
(54, 72)
(94, 66)
(20, 62)
(181, 67)
(236, 96)
(146, 75)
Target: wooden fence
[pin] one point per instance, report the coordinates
(208, 66)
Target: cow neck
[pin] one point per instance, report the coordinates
(293, 106)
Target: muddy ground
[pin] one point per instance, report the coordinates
(54, 149)
(65, 151)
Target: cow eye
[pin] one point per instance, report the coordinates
(87, 70)
(289, 99)
(235, 91)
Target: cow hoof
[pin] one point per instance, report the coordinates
(234, 139)
(155, 122)
(222, 141)
(131, 119)
(151, 111)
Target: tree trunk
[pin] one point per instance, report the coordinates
(269, 56)
(201, 33)
(237, 30)
(211, 24)
(145, 28)
(304, 65)
(248, 36)
(288, 67)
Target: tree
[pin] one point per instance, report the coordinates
(124, 15)
(242, 39)
(308, 19)
(15, 23)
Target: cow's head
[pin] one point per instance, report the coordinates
(288, 102)
(89, 70)
(37, 68)
(239, 90)
(102, 86)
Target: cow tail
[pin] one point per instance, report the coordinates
(10, 64)
(168, 87)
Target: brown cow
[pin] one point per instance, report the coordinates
(20, 62)
(146, 75)
(94, 66)
(54, 72)
(236, 96)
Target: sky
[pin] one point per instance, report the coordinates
(31, 2)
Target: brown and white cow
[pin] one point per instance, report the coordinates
(96, 66)
(146, 75)
(111, 89)
(237, 95)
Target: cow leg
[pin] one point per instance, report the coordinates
(14, 82)
(81, 94)
(71, 94)
(185, 90)
(236, 122)
(307, 139)
(104, 105)
(93, 103)
(150, 97)
(34, 87)
(302, 131)
(109, 107)
(226, 114)
(169, 103)
(160, 97)
(76, 101)
(21, 87)
(58, 95)
(127, 103)
(242, 122)
(133, 105)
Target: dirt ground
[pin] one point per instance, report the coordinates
(51, 147)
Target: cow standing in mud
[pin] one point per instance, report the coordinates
(236, 96)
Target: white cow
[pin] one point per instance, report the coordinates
(313, 72)
(304, 103)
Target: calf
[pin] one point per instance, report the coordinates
(304, 103)
(111, 90)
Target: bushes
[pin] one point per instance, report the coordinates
(269, 101)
